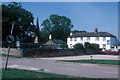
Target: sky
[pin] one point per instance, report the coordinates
(84, 15)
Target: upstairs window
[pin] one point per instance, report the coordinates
(75, 39)
(104, 38)
(88, 38)
(70, 39)
(97, 39)
(81, 38)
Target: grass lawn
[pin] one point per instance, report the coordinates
(114, 62)
(10, 55)
(17, 73)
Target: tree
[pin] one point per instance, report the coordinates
(37, 30)
(23, 19)
(64, 45)
(77, 31)
(58, 26)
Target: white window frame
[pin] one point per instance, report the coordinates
(75, 39)
(104, 45)
(104, 38)
(97, 39)
(88, 38)
(81, 38)
(70, 39)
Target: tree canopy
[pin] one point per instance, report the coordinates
(23, 22)
(58, 26)
(77, 31)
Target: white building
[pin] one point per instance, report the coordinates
(104, 39)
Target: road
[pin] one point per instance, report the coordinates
(72, 69)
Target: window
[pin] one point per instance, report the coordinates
(88, 38)
(70, 39)
(104, 38)
(97, 39)
(75, 39)
(81, 38)
(104, 45)
(71, 46)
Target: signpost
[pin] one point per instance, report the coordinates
(10, 39)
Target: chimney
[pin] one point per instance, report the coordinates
(50, 37)
(70, 33)
(96, 30)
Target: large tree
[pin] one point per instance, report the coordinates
(23, 22)
(37, 30)
(77, 31)
(58, 26)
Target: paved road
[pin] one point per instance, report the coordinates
(72, 69)
(106, 57)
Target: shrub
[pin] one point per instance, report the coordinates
(91, 46)
(87, 45)
(78, 46)
(95, 46)
(64, 45)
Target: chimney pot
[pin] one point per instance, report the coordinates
(96, 30)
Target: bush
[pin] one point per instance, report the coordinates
(78, 46)
(64, 45)
(87, 45)
(91, 46)
(95, 46)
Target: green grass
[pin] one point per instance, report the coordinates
(114, 62)
(17, 73)
(10, 55)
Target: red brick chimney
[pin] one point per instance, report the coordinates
(96, 30)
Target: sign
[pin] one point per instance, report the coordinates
(10, 39)
(108, 42)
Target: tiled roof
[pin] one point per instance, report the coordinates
(92, 34)
(57, 41)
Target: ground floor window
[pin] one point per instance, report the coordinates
(104, 45)
(71, 46)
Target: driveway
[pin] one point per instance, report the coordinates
(73, 69)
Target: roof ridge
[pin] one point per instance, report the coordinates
(110, 34)
(102, 34)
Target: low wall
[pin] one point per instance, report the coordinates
(56, 52)
(92, 51)
(50, 52)
(13, 51)
(27, 52)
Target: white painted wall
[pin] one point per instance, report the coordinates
(112, 40)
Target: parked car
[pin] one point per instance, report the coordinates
(111, 51)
